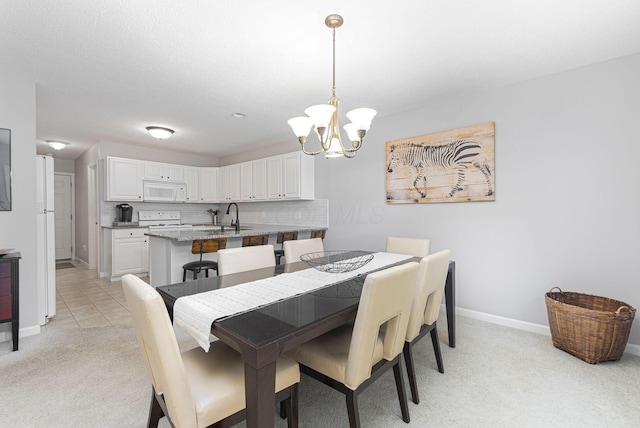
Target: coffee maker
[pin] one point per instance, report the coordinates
(124, 213)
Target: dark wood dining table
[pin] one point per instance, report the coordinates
(262, 334)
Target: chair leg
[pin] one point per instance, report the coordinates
(352, 409)
(436, 348)
(184, 275)
(411, 373)
(283, 410)
(291, 407)
(402, 397)
(155, 411)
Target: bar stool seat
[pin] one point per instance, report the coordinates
(282, 237)
(202, 246)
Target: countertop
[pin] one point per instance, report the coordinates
(252, 229)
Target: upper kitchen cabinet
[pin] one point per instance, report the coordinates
(192, 178)
(253, 180)
(163, 171)
(208, 184)
(229, 189)
(124, 179)
(290, 176)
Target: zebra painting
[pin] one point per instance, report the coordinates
(440, 171)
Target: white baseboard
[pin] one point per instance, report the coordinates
(82, 262)
(523, 325)
(6, 336)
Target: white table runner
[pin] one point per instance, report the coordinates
(197, 312)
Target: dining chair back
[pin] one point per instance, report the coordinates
(294, 249)
(195, 388)
(352, 357)
(410, 246)
(424, 311)
(232, 260)
(281, 239)
(203, 246)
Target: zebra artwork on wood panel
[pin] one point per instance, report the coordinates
(442, 168)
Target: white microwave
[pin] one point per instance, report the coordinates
(160, 191)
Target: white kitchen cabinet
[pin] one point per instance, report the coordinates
(124, 179)
(163, 171)
(253, 175)
(229, 189)
(290, 176)
(208, 184)
(192, 178)
(129, 252)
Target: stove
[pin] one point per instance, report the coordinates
(162, 220)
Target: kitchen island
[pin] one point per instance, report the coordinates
(169, 250)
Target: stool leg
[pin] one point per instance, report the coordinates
(184, 277)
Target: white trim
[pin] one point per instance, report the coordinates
(523, 325)
(72, 177)
(82, 262)
(6, 336)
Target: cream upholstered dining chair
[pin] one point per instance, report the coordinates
(424, 311)
(353, 356)
(195, 388)
(410, 246)
(294, 249)
(233, 260)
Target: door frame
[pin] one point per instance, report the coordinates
(73, 210)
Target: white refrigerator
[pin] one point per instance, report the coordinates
(46, 239)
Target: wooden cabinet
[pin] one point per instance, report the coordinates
(129, 252)
(192, 178)
(124, 179)
(163, 171)
(9, 293)
(208, 191)
(253, 175)
(290, 176)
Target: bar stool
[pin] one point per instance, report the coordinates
(318, 233)
(252, 241)
(282, 237)
(202, 246)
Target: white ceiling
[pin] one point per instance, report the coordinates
(105, 69)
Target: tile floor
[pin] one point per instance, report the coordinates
(85, 300)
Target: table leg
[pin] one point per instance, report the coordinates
(450, 303)
(260, 386)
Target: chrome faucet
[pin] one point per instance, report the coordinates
(237, 223)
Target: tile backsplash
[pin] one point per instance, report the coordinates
(304, 213)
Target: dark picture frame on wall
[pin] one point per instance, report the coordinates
(5, 169)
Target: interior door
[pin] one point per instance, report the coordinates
(62, 201)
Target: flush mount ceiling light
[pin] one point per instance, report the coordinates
(57, 145)
(239, 115)
(159, 132)
(324, 117)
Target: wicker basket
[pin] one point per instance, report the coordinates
(592, 328)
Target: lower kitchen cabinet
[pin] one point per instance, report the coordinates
(129, 252)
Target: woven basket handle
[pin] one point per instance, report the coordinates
(551, 291)
(621, 308)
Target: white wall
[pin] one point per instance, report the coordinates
(64, 165)
(566, 208)
(18, 226)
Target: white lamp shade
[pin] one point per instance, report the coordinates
(57, 145)
(352, 132)
(335, 149)
(300, 125)
(159, 132)
(320, 114)
(362, 117)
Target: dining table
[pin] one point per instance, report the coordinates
(262, 334)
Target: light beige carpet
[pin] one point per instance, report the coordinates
(496, 377)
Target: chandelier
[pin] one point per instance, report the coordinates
(324, 117)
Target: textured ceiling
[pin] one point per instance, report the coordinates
(105, 69)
